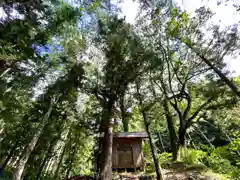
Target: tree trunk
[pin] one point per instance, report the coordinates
(8, 158)
(230, 84)
(30, 146)
(146, 123)
(98, 157)
(26, 154)
(107, 127)
(125, 120)
(171, 128)
(125, 125)
(160, 141)
(47, 155)
(106, 155)
(71, 162)
(42, 165)
(60, 162)
(181, 138)
(153, 149)
(172, 131)
(2, 134)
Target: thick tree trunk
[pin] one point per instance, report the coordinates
(153, 149)
(62, 153)
(125, 125)
(26, 154)
(17, 175)
(181, 138)
(60, 163)
(98, 157)
(106, 155)
(47, 155)
(107, 141)
(125, 120)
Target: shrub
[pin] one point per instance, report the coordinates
(218, 164)
(235, 174)
(192, 156)
(165, 159)
(149, 168)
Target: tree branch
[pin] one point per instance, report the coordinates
(189, 105)
(231, 85)
(197, 111)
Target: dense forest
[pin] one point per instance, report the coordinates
(70, 70)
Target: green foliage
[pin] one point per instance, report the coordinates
(7, 175)
(216, 159)
(218, 164)
(178, 21)
(192, 156)
(165, 159)
(148, 158)
(53, 52)
(219, 160)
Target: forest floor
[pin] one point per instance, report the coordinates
(177, 173)
(174, 175)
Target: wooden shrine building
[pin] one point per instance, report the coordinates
(127, 151)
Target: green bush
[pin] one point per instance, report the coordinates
(165, 159)
(192, 156)
(224, 160)
(218, 164)
(235, 174)
(149, 168)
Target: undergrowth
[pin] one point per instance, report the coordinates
(215, 160)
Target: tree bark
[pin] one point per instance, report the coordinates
(71, 162)
(97, 155)
(172, 131)
(47, 155)
(17, 175)
(106, 155)
(161, 141)
(170, 123)
(8, 158)
(230, 84)
(26, 154)
(153, 148)
(60, 162)
(181, 138)
(146, 123)
(125, 120)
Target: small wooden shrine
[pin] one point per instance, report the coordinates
(127, 151)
